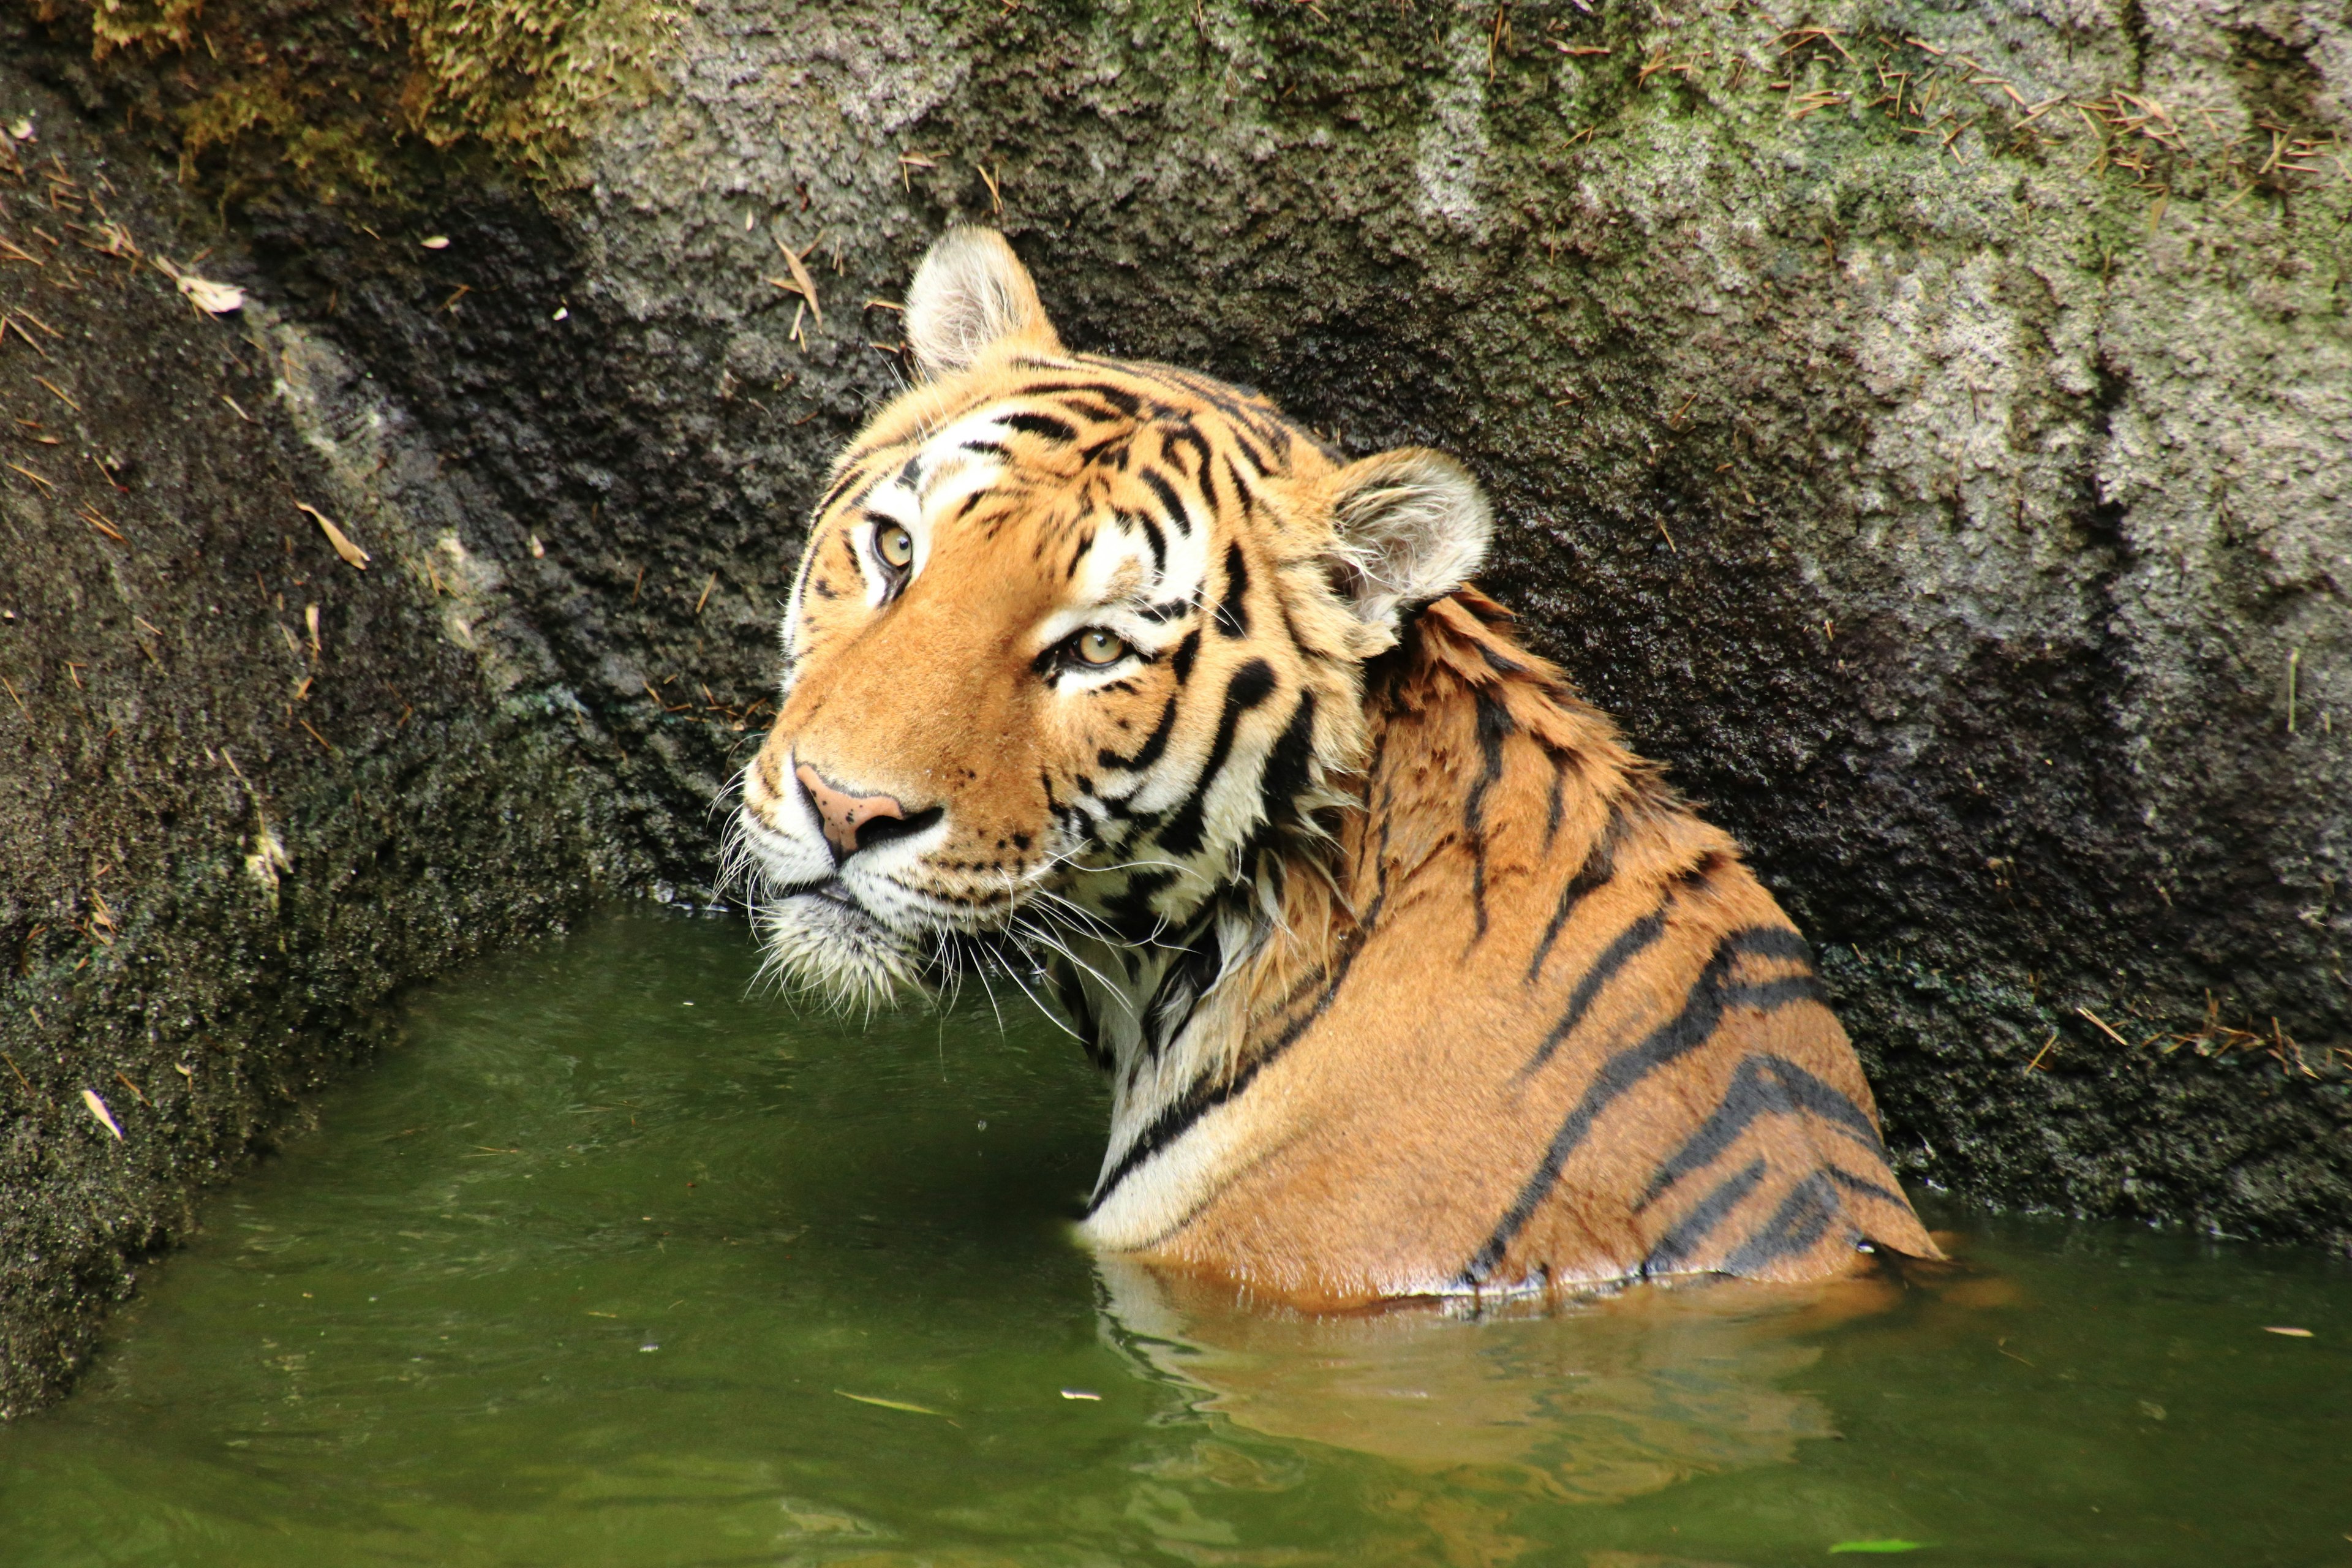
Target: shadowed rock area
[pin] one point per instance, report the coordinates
(1924, 430)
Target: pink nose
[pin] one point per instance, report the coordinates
(849, 818)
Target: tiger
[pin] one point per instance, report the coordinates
(1409, 978)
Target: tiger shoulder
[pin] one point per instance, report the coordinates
(1409, 977)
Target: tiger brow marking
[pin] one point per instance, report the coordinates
(1710, 995)
(1186, 435)
(1599, 866)
(1152, 536)
(1256, 459)
(1242, 492)
(1043, 425)
(1177, 511)
(1495, 726)
(1765, 1085)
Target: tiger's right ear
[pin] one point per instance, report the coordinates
(971, 294)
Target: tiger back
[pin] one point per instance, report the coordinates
(1410, 979)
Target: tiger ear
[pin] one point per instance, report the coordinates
(971, 294)
(1408, 526)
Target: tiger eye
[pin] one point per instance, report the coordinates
(1100, 646)
(895, 545)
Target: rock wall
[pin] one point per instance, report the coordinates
(1925, 427)
(245, 786)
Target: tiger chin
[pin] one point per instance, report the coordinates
(1410, 979)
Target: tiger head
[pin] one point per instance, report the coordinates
(1074, 643)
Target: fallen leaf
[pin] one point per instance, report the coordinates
(2291, 1333)
(1888, 1545)
(219, 299)
(1080, 1393)
(438, 242)
(98, 1109)
(803, 284)
(336, 536)
(889, 1404)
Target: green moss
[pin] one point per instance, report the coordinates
(152, 25)
(337, 99)
(525, 75)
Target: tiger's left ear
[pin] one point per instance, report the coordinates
(971, 294)
(1409, 526)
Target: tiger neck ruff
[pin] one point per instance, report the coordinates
(1410, 979)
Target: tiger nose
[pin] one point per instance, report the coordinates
(851, 822)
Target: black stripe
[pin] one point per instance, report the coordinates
(1854, 1184)
(1188, 980)
(848, 477)
(1094, 411)
(1232, 610)
(1206, 1094)
(1765, 1085)
(1257, 459)
(1614, 957)
(1242, 492)
(1287, 765)
(1252, 684)
(1676, 1245)
(1494, 727)
(1703, 1008)
(1059, 431)
(1497, 662)
(1125, 402)
(1117, 441)
(1168, 499)
(1599, 866)
(1184, 435)
(1802, 1218)
(1152, 746)
(1181, 661)
(1129, 911)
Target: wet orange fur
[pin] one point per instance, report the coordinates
(1398, 1126)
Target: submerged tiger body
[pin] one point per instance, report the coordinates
(1409, 978)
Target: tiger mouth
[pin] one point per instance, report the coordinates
(822, 941)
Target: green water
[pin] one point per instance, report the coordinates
(588, 1271)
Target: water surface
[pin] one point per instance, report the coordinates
(614, 1263)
